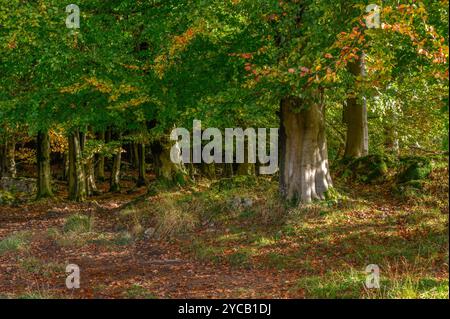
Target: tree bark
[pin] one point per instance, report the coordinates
(355, 117)
(114, 183)
(66, 166)
(134, 154)
(228, 168)
(44, 188)
(77, 176)
(101, 159)
(141, 181)
(165, 169)
(7, 158)
(304, 169)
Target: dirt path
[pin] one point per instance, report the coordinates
(143, 269)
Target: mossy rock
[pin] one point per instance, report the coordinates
(414, 169)
(368, 169)
(6, 198)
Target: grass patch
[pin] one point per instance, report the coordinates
(138, 292)
(15, 242)
(36, 295)
(205, 253)
(78, 224)
(351, 285)
(38, 267)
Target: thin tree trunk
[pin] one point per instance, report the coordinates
(91, 187)
(114, 183)
(7, 158)
(141, 181)
(2, 159)
(134, 147)
(228, 168)
(246, 168)
(192, 171)
(77, 176)
(44, 188)
(66, 166)
(101, 159)
(304, 170)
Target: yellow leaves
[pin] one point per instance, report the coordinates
(99, 85)
(123, 89)
(58, 141)
(74, 88)
(134, 102)
(12, 43)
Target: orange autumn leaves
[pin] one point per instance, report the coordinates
(178, 45)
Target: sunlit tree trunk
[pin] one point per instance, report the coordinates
(165, 169)
(91, 187)
(77, 176)
(114, 183)
(44, 188)
(304, 170)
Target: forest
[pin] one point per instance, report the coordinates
(99, 197)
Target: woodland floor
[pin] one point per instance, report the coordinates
(208, 244)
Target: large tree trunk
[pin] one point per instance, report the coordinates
(165, 169)
(141, 181)
(44, 188)
(114, 182)
(304, 171)
(355, 117)
(77, 176)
